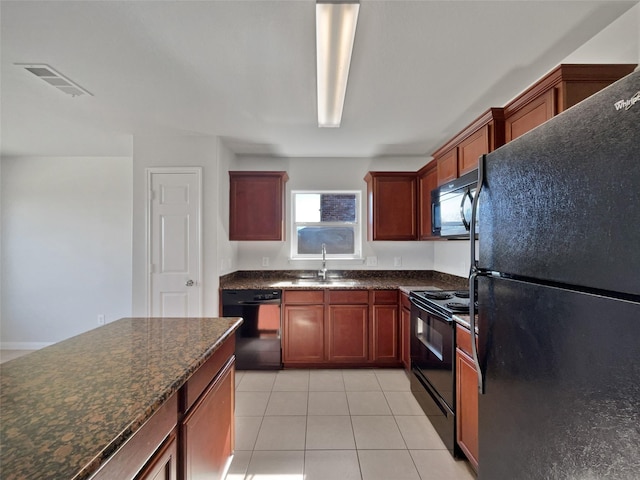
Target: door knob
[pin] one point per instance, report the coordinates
(189, 283)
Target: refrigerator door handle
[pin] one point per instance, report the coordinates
(474, 213)
(472, 325)
(474, 272)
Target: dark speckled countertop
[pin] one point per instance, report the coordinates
(348, 279)
(66, 408)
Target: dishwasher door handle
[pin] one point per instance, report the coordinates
(261, 302)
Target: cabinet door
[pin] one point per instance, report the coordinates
(427, 181)
(467, 407)
(530, 115)
(392, 206)
(208, 429)
(471, 148)
(448, 166)
(405, 339)
(256, 205)
(303, 334)
(163, 465)
(405, 330)
(385, 334)
(348, 328)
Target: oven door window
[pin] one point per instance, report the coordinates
(430, 337)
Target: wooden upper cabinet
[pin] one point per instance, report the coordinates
(427, 181)
(534, 113)
(256, 205)
(460, 154)
(471, 148)
(447, 166)
(392, 205)
(557, 91)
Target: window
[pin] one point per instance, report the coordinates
(332, 218)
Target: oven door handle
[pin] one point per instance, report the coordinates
(422, 308)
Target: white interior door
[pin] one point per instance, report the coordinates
(174, 278)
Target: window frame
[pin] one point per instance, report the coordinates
(357, 227)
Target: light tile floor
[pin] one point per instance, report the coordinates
(335, 425)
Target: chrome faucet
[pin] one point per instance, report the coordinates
(323, 271)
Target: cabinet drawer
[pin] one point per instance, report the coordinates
(303, 296)
(463, 339)
(385, 297)
(348, 297)
(207, 372)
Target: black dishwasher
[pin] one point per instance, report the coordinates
(258, 338)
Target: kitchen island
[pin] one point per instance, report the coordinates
(94, 405)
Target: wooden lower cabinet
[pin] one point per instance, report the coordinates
(405, 331)
(466, 397)
(349, 333)
(208, 429)
(303, 334)
(191, 435)
(385, 327)
(340, 327)
(385, 334)
(163, 466)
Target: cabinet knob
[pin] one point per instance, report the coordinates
(189, 283)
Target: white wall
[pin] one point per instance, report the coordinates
(66, 246)
(332, 174)
(617, 43)
(227, 250)
(192, 151)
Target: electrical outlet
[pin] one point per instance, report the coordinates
(101, 319)
(397, 261)
(372, 261)
(265, 261)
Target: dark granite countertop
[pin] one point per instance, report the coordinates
(66, 408)
(343, 279)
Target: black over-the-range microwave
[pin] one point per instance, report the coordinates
(451, 205)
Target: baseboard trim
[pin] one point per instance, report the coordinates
(24, 345)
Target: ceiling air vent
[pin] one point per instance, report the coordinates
(54, 78)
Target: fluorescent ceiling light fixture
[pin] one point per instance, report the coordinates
(335, 32)
(54, 78)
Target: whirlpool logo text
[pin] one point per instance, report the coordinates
(627, 104)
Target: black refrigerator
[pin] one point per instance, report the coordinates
(557, 278)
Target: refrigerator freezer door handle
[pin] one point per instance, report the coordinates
(474, 272)
(474, 212)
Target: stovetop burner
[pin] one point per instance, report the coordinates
(458, 306)
(461, 293)
(437, 295)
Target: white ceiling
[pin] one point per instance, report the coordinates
(245, 71)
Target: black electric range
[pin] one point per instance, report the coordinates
(444, 303)
(432, 347)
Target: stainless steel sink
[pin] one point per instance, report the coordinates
(317, 282)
